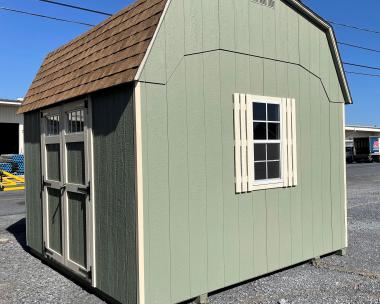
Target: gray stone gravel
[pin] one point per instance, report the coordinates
(23, 278)
(344, 280)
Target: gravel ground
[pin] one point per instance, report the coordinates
(347, 280)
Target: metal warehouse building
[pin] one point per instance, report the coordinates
(186, 146)
(11, 128)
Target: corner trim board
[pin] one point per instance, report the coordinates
(139, 195)
(344, 176)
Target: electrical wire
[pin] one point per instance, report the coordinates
(76, 7)
(358, 47)
(362, 66)
(44, 16)
(355, 27)
(363, 74)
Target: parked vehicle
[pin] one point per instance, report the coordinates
(364, 149)
(349, 155)
(362, 152)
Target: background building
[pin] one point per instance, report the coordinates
(353, 132)
(11, 128)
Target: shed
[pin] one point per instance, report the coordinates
(184, 146)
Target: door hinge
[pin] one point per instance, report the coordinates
(44, 183)
(47, 250)
(86, 190)
(87, 273)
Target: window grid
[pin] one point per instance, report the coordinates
(266, 143)
(52, 125)
(75, 121)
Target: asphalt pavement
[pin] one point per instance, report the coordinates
(354, 278)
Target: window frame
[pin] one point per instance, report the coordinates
(273, 182)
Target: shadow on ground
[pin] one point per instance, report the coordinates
(18, 230)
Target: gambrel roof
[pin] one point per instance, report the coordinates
(114, 52)
(105, 56)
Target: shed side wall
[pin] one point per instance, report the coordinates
(33, 181)
(199, 235)
(114, 182)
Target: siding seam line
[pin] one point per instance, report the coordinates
(267, 58)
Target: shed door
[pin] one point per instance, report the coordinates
(67, 204)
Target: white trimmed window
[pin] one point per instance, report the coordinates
(265, 142)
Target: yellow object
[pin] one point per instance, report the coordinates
(10, 182)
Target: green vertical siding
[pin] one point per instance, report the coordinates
(114, 184)
(156, 189)
(199, 235)
(33, 174)
(214, 170)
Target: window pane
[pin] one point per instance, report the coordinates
(259, 130)
(274, 169)
(273, 131)
(260, 153)
(273, 112)
(75, 121)
(259, 111)
(273, 151)
(52, 125)
(260, 171)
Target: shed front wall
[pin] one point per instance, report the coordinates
(114, 191)
(199, 235)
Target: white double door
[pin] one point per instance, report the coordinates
(67, 216)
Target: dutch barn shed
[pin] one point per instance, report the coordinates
(184, 146)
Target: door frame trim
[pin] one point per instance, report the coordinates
(63, 138)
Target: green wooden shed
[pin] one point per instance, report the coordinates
(184, 146)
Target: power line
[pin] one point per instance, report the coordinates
(363, 74)
(355, 27)
(44, 16)
(77, 7)
(362, 66)
(359, 47)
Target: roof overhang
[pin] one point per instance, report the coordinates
(323, 24)
(13, 103)
(363, 129)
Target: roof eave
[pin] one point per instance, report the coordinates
(303, 9)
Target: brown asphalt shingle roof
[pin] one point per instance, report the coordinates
(105, 56)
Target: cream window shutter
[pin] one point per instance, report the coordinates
(244, 148)
(241, 142)
(289, 142)
(237, 133)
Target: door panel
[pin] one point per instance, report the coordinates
(53, 162)
(68, 219)
(77, 228)
(54, 207)
(76, 163)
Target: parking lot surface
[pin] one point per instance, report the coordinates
(354, 278)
